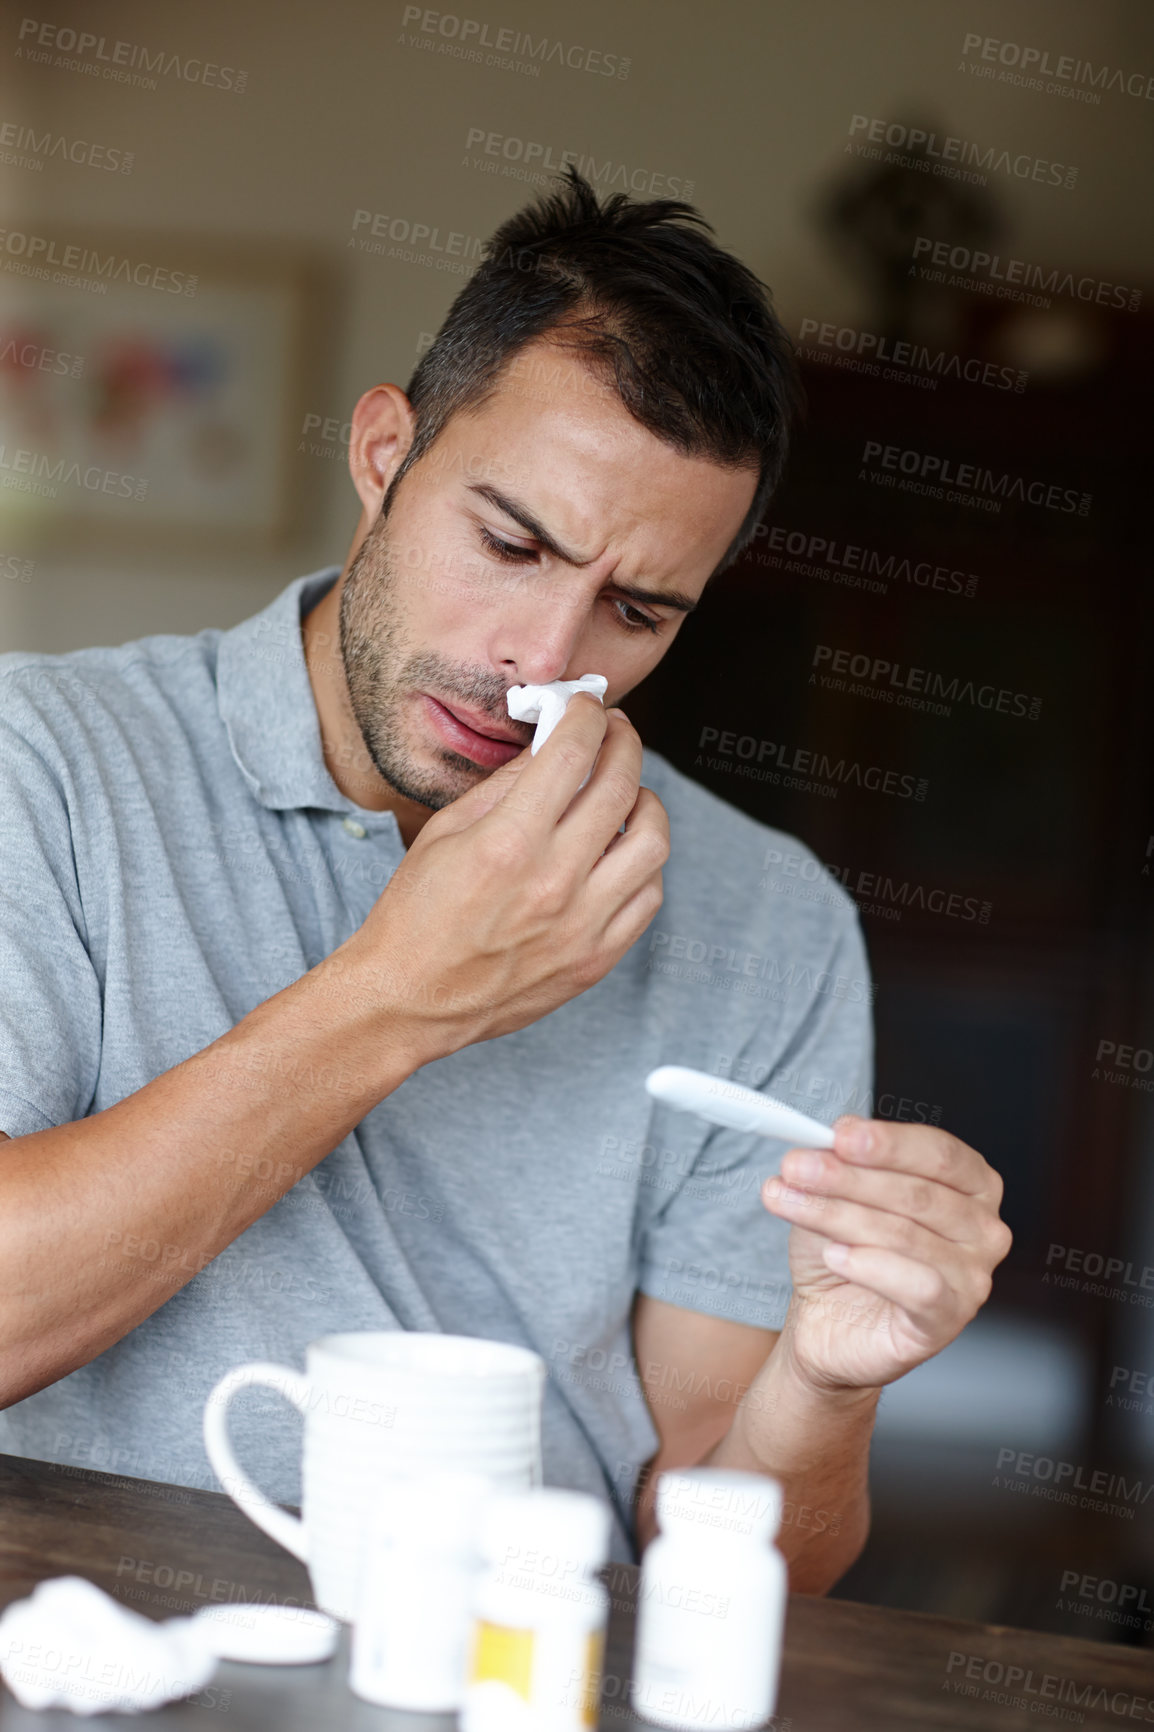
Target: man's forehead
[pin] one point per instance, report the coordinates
(588, 470)
(547, 391)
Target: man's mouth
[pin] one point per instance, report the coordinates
(474, 736)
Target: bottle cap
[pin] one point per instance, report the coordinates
(268, 1635)
(546, 1529)
(718, 1503)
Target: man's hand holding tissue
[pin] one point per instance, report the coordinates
(896, 1234)
(518, 895)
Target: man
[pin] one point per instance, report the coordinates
(328, 1006)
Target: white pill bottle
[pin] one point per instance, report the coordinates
(711, 1603)
(541, 1615)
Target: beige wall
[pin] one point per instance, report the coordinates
(748, 99)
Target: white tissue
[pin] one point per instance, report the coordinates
(71, 1645)
(545, 705)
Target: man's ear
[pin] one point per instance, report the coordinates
(383, 424)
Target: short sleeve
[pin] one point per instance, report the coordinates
(714, 1247)
(50, 999)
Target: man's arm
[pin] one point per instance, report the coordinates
(705, 1378)
(896, 1234)
(107, 1217)
(507, 904)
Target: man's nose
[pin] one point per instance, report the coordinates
(539, 641)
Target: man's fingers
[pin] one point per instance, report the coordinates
(920, 1149)
(956, 1216)
(634, 916)
(568, 756)
(855, 1224)
(635, 855)
(921, 1290)
(476, 801)
(609, 798)
(628, 876)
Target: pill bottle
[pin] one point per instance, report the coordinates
(539, 1633)
(711, 1603)
(414, 1615)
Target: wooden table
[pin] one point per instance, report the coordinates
(165, 1551)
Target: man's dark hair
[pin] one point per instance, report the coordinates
(685, 331)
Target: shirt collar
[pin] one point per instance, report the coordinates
(266, 702)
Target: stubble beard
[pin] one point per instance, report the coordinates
(380, 671)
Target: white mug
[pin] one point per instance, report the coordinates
(380, 1406)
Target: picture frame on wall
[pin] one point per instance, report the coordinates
(152, 386)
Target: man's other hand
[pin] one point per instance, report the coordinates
(896, 1233)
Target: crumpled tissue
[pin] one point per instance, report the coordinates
(545, 705)
(71, 1645)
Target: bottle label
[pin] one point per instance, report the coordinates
(503, 1656)
(591, 1696)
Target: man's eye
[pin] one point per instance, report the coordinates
(505, 549)
(629, 617)
(639, 620)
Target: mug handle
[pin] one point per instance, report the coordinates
(288, 1530)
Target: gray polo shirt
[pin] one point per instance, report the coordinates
(175, 852)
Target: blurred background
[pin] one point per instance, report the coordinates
(934, 665)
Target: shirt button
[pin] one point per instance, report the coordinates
(354, 829)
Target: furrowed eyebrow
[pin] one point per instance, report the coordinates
(521, 515)
(657, 597)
